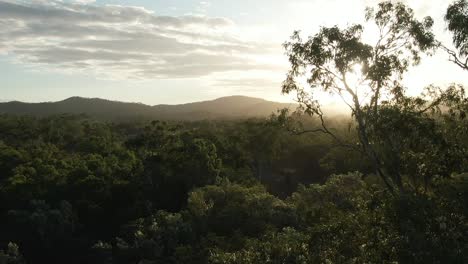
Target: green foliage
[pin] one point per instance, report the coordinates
(11, 255)
(457, 19)
(159, 238)
(416, 138)
(287, 246)
(231, 209)
(349, 221)
(68, 182)
(82, 191)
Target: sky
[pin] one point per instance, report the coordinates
(175, 51)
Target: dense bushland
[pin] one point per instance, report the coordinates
(74, 190)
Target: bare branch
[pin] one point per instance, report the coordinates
(454, 58)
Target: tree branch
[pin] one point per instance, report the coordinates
(454, 58)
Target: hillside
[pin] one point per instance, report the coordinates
(221, 108)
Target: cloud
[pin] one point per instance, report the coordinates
(247, 83)
(203, 6)
(124, 41)
(85, 2)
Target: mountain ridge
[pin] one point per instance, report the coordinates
(236, 106)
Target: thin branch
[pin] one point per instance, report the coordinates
(326, 131)
(307, 131)
(346, 102)
(454, 58)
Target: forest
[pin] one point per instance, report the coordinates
(387, 183)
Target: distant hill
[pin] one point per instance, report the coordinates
(222, 108)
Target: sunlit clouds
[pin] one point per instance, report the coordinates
(133, 44)
(125, 42)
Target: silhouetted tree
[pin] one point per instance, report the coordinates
(339, 62)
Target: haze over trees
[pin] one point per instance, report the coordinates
(388, 184)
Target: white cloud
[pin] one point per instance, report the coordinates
(124, 41)
(85, 2)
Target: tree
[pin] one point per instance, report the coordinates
(457, 20)
(339, 62)
(11, 255)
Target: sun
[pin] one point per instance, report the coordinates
(361, 85)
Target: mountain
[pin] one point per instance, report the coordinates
(222, 108)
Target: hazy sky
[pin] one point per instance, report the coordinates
(173, 51)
